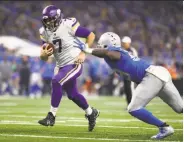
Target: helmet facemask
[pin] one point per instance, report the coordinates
(102, 45)
(50, 23)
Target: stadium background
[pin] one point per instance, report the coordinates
(156, 34)
(156, 31)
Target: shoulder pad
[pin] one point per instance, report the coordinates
(71, 22)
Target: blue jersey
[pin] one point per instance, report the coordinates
(128, 64)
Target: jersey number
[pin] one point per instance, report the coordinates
(133, 57)
(59, 42)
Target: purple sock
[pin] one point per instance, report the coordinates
(56, 93)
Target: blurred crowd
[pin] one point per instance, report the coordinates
(155, 27)
(31, 77)
(26, 76)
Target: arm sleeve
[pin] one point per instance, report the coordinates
(82, 32)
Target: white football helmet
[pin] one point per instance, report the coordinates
(109, 39)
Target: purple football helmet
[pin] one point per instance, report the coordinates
(51, 17)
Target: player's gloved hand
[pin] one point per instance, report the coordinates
(81, 58)
(84, 47)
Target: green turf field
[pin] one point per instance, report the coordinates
(19, 116)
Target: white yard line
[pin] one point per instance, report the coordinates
(116, 120)
(8, 104)
(75, 138)
(80, 119)
(21, 122)
(120, 112)
(74, 125)
(5, 111)
(121, 127)
(17, 122)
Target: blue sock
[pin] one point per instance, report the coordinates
(146, 116)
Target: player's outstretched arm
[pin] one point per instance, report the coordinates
(113, 55)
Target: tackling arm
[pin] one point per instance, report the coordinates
(113, 55)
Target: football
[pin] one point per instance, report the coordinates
(48, 46)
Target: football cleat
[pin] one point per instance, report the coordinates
(48, 121)
(92, 119)
(163, 132)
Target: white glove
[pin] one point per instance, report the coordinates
(84, 47)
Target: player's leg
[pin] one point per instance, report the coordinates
(59, 75)
(91, 113)
(133, 86)
(143, 94)
(128, 90)
(71, 89)
(171, 96)
(55, 101)
(64, 75)
(70, 86)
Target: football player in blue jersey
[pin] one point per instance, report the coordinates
(152, 80)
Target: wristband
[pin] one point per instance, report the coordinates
(87, 49)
